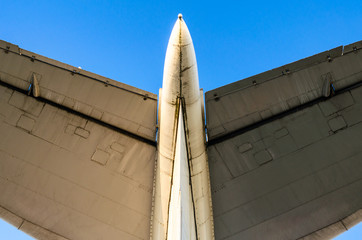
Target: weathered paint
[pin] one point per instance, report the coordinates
(181, 86)
(181, 220)
(285, 162)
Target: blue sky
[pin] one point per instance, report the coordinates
(126, 40)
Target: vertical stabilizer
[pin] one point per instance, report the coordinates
(181, 220)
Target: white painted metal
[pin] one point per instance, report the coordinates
(181, 87)
(181, 220)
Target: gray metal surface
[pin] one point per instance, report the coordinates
(111, 102)
(68, 171)
(284, 162)
(260, 97)
(290, 175)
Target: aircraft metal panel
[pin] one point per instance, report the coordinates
(249, 101)
(352, 47)
(115, 103)
(319, 217)
(299, 173)
(181, 93)
(277, 72)
(66, 174)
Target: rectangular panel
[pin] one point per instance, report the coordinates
(64, 174)
(235, 106)
(114, 103)
(292, 176)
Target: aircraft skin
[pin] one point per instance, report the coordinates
(282, 160)
(181, 96)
